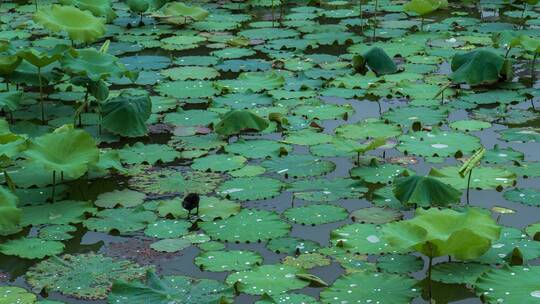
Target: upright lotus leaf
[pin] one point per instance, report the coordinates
(8, 63)
(179, 13)
(377, 60)
(127, 114)
(424, 7)
(170, 289)
(141, 6)
(516, 284)
(95, 65)
(480, 67)
(86, 276)
(10, 215)
(370, 287)
(41, 59)
(66, 150)
(267, 279)
(238, 121)
(99, 8)
(10, 100)
(434, 232)
(424, 191)
(79, 25)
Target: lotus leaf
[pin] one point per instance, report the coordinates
(124, 198)
(56, 232)
(516, 284)
(219, 163)
(13, 294)
(480, 67)
(59, 213)
(95, 65)
(299, 166)
(66, 150)
(438, 143)
(152, 153)
(424, 7)
(267, 279)
(237, 121)
(171, 245)
(527, 196)
(376, 173)
(482, 177)
(86, 276)
(376, 215)
(232, 260)
(250, 188)
(167, 229)
(360, 238)
(260, 148)
(458, 273)
(173, 181)
(180, 13)
(121, 220)
(510, 239)
(316, 214)
(79, 25)
(435, 232)
(10, 215)
(399, 263)
(163, 290)
(99, 8)
(247, 226)
(287, 298)
(31, 248)
(377, 287)
(291, 245)
(327, 190)
(126, 115)
(307, 261)
(210, 208)
(425, 191)
(377, 60)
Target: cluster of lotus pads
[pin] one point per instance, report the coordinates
(362, 119)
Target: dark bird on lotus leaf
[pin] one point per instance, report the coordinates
(191, 201)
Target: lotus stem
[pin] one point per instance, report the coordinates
(430, 264)
(41, 97)
(272, 13)
(361, 13)
(36, 4)
(422, 24)
(469, 185)
(53, 185)
(533, 70)
(523, 13)
(507, 52)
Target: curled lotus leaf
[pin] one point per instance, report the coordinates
(79, 25)
(435, 232)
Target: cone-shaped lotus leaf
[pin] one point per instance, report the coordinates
(377, 60)
(10, 215)
(424, 7)
(424, 191)
(94, 65)
(99, 8)
(434, 232)
(238, 121)
(79, 25)
(8, 64)
(42, 59)
(127, 114)
(65, 150)
(179, 13)
(480, 67)
(170, 289)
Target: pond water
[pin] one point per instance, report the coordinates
(315, 84)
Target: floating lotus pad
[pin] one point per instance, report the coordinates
(247, 226)
(232, 260)
(85, 276)
(316, 214)
(267, 279)
(518, 284)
